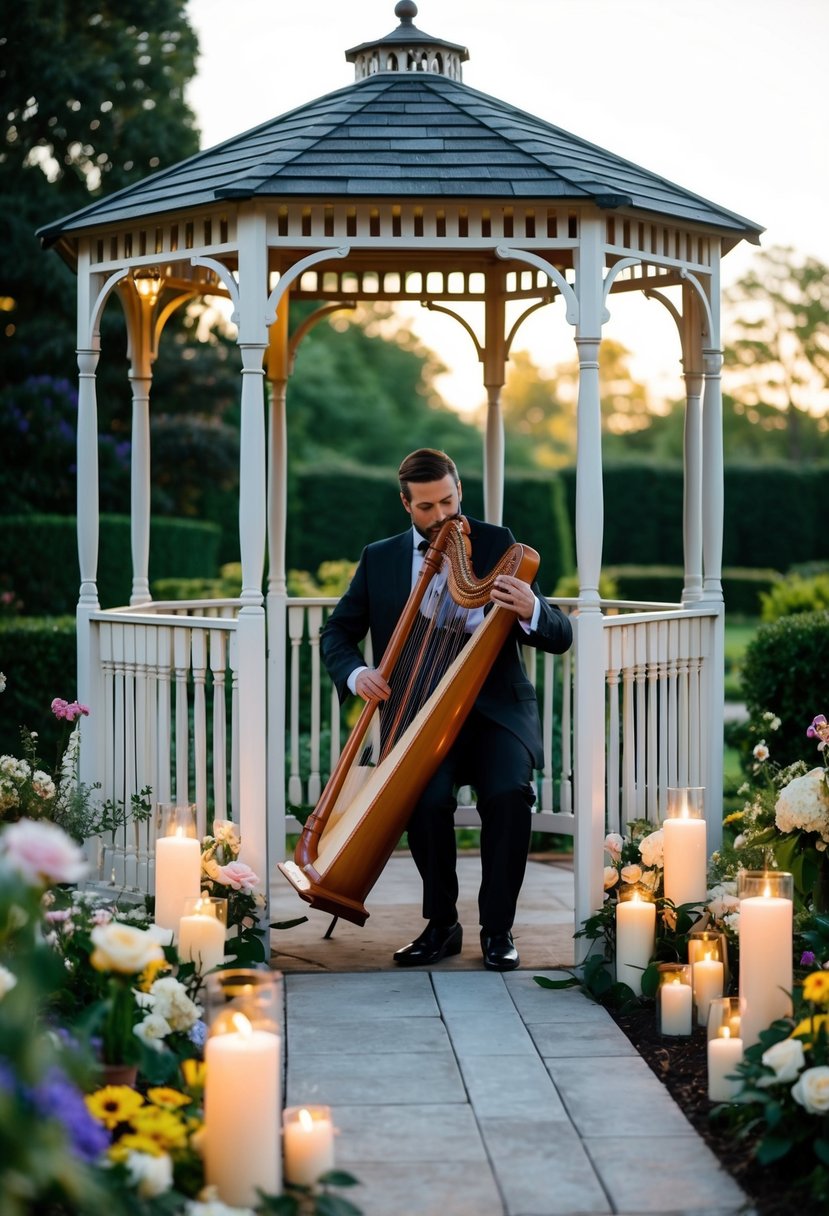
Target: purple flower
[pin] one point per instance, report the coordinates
(814, 731)
(57, 1098)
(807, 958)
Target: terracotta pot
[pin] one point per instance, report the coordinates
(119, 1074)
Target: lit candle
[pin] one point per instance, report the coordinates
(685, 852)
(309, 1144)
(242, 1106)
(635, 938)
(708, 984)
(765, 951)
(675, 1008)
(201, 935)
(177, 875)
(724, 1054)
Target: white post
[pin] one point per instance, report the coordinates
(252, 342)
(140, 489)
(494, 359)
(589, 716)
(692, 450)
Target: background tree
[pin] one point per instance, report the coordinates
(778, 313)
(93, 99)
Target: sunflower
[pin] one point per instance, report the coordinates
(734, 817)
(131, 1142)
(809, 1027)
(816, 987)
(169, 1099)
(114, 1104)
(162, 1126)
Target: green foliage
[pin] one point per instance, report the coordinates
(784, 673)
(182, 547)
(663, 584)
(795, 594)
(38, 656)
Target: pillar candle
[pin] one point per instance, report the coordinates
(765, 963)
(177, 875)
(309, 1144)
(708, 985)
(675, 1008)
(635, 938)
(201, 940)
(685, 860)
(724, 1054)
(242, 1108)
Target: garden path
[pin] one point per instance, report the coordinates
(460, 1092)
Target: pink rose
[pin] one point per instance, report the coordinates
(41, 852)
(238, 876)
(68, 710)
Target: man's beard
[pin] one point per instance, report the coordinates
(431, 532)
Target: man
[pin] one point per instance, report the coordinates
(498, 746)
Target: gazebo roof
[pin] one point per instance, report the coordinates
(408, 134)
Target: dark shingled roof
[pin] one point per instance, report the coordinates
(404, 135)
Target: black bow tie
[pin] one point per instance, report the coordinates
(423, 546)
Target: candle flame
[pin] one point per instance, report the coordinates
(179, 831)
(675, 979)
(725, 1033)
(306, 1120)
(767, 891)
(242, 1025)
(708, 957)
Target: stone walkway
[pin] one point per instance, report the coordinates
(460, 1092)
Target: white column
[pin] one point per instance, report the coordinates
(589, 666)
(692, 451)
(88, 532)
(494, 357)
(140, 489)
(713, 498)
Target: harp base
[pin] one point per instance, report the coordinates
(320, 897)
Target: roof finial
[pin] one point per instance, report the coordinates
(406, 10)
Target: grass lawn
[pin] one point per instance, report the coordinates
(738, 634)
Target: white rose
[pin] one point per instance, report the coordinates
(650, 879)
(811, 1090)
(152, 1030)
(613, 843)
(786, 1059)
(631, 873)
(7, 981)
(151, 1176)
(123, 948)
(651, 849)
(611, 877)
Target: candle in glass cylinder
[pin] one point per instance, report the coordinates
(724, 1054)
(635, 938)
(309, 1144)
(201, 933)
(765, 950)
(685, 853)
(674, 999)
(177, 863)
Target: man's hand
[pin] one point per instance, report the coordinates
(371, 686)
(514, 594)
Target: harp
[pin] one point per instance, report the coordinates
(435, 667)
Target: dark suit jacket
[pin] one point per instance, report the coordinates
(377, 595)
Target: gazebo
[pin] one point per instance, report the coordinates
(405, 185)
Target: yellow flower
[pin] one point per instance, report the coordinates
(151, 972)
(114, 1104)
(816, 987)
(132, 1143)
(162, 1126)
(734, 817)
(193, 1072)
(809, 1026)
(170, 1099)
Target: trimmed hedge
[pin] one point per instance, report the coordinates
(742, 589)
(40, 558)
(336, 510)
(38, 657)
(784, 671)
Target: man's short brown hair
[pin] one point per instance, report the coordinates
(426, 464)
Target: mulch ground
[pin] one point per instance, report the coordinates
(681, 1065)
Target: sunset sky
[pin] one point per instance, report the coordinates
(725, 97)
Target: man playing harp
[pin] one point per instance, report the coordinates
(499, 744)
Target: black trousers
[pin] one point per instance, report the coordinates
(498, 765)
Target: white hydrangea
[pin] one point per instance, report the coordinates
(43, 785)
(152, 1030)
(804, 805)
(150, 1175)
(170, 1001)
(723, 899)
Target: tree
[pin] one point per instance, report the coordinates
(779, 354)
(93, 94)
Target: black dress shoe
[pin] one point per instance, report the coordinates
(499, 951)
(435, 942)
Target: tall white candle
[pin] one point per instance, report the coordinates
(309, 1144)
(765, 963)
(242, 1108)
(635, 938)
(675, 1008)
(685, 859)
(201, 940)
(724, 1054)
(708, 985)
(177, 876)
